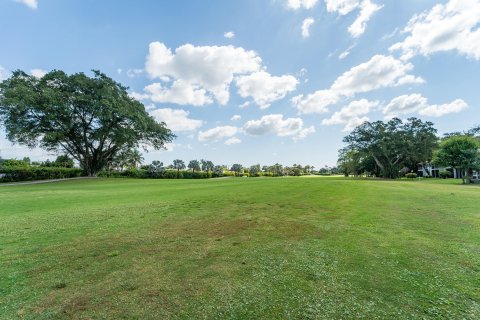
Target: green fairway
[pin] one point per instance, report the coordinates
(256, 248)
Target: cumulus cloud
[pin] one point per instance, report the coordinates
(33, 4)
(229, 34)
(316, 102)
(211, 68)
(416, 103)
(307, 23)
(343, 7)
(352, 115)
(236, 117)
(38, 73)
(176, 119)
(265, 88)
(180, 92)
(232, 140)
(217, 133)
(275, 124)
(450, 26)
(379, 72)
(443, 109)
(297, 4)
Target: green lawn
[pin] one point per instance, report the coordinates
(256, 248)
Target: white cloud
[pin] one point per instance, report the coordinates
(344, 54)
(307, 23)
(232, 140)
(343, 7)
(236, 117)
(316, 102)
(352, 115)
(38, 73)
(367, 9)
(379, 72)
(176, 119)
(244, 105)
(229, 34)
(297, 4)
(450, 26)
(180, 92)
(132, 73)
(4, 73)
(33, 4)
(217, 133)
(405, 104)
(265, 88)
(416, 103)
(443, 109)
(211, 68)
(275, 124)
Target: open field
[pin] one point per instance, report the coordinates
(278, 248)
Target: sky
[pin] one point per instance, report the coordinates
(259, 81)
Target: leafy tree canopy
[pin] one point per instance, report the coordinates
(89, 118)
(394, 145)
(460, 151)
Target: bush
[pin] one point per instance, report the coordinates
(164, 174)
(13, 174)
(411, 175)
(445, 174)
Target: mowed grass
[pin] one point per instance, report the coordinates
(257, 248)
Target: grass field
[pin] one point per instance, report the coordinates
(258, 248)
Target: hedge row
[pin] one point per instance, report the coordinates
(13, 174)
(163, 174)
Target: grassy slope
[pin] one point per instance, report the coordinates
(240, 248)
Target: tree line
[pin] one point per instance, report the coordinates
(393, 148)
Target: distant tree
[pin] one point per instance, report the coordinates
(194, 165)
(155, 168)
(277, 170)
(207, 165)
(218, 170)
(178, 165)
(90, 119)
(64, 161)
(26, 160)
(255, 170)
(237, 168)
(461, 152)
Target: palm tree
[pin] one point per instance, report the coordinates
(179, 165)
(134, 158)
(194, 165)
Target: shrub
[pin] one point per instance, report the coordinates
(12, 174)
(445, 174)
(411, 175)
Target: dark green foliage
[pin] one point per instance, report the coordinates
(461, 152)
(90, 119)
(237, 168)
(12, 174)
(163, 174)
(194, 165)
(393, 145)
(64, 161)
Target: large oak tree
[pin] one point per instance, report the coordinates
(90, 118)
(394, 145)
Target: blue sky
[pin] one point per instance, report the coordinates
(254, 81)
